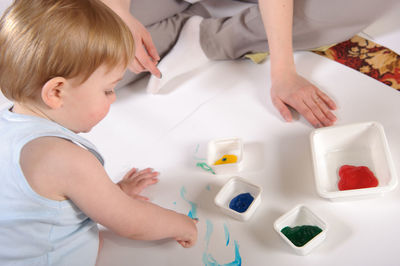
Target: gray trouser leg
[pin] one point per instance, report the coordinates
(315, 23)
(164, 20)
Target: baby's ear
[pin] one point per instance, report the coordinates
(52, 92)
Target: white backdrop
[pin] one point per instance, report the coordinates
(170, 131)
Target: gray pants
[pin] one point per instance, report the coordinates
(315, 23)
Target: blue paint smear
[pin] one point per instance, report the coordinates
(208, 187)
(193, 211)
(210, 228)
(227, 237)
(208, 259)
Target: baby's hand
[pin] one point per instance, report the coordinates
(135, 181)
(189, 239)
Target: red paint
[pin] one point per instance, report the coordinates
(354, 177)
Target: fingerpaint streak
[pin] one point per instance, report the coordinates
(226, 234)
(210, 228)
(209, 260)
(193, 211)
(238, 259)
(205, 167)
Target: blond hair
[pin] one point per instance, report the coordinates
(43, 39)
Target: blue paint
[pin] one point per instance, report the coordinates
(241, 202)
(193, 211)
(208, 259)
(174, 202)
(227, 236)
(210, 228)
(238, 259)
(195, 157)
(208, 187)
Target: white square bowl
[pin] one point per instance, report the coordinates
(298, 216)
(360, 144)
(220, 147)
(235, 186)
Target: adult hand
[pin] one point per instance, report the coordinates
(297, 92)
(135, 181)
(146, 55)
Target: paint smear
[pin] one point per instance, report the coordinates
(195, 152)
(205, 167)
(226, 234)
(210, 228)
(193, 211)
(208, 259)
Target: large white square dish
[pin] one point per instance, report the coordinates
(360, 144)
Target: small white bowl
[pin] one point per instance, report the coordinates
(234, 187)
(220, 147)
(361, 144)
(298, 216)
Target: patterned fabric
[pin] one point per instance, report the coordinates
(367, 57)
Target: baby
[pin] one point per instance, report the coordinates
(59, 63)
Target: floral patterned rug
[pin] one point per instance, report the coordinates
(367, 57)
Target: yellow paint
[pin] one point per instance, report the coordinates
(228, 158)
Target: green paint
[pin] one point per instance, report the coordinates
(206, 167)
(300, 235)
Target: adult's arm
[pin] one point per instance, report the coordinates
(288, 87)
(146, 55)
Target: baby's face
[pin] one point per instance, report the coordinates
(88, 103)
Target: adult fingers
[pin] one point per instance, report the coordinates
(146, 60)
(325, 108)
(150, 47)
(282, 108)
(136, 67)
(150, 65)
(307, 113)
(331, 104)
(316, 106)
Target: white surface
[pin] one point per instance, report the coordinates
(170, 132)
(234, 187)
(359, 144)
(298, 216)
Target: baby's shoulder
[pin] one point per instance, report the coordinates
(50, 163)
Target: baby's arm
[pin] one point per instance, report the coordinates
(58, 169)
